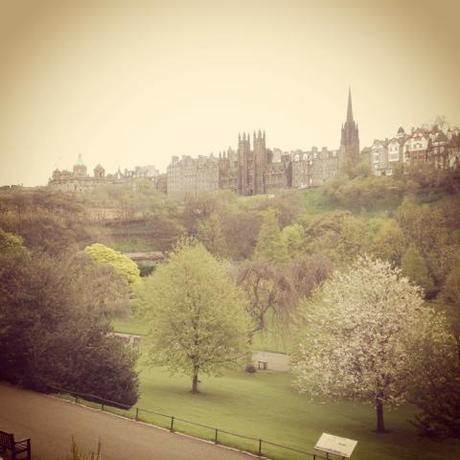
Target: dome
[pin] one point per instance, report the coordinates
(79, 161)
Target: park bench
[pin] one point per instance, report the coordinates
(18, 449)
(262, 365)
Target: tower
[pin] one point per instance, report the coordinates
(260, 162)
(244, 150)
(79, 169)
(349, 141)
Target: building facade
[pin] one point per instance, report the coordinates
(254, 169)
(78, 180)
(428, 146)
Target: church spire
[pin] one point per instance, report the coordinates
(349, 107)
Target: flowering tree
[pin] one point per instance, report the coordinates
(120, 262)
(362, 337)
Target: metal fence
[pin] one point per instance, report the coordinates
(257, 446)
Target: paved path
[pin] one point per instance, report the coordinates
(50, 423)
(275, 361)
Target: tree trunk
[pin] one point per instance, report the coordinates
(195, 380)
(380, 422)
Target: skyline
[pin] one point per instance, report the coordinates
(136, 84)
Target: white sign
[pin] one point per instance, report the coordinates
(331, 444)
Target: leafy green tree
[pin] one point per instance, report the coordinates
(270, 245)
(309, 272)
(288, 205)
(292, 237)
(46, 220)
(366, 192)
(424, 227)
(389, 242)
(414, 266)
(451, 290)
(364, 335)
(241, 229)
(120, 262)
(437, 395)
(338, 235)
(197, 314)
(9, 242)
(52, 329)
(269, 289)
(211, 234)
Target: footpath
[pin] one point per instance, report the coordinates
(51, 423)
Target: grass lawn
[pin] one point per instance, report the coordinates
(271, 340)
(264, 405)
(130, 326)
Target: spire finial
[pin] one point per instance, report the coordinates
(349, 107)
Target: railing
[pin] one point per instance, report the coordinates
(250, 444)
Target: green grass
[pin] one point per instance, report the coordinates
(271, 340)
(265, 405)
(130, 326)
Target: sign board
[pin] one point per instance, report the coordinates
(331, 444)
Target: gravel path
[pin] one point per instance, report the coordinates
(275, 361)
(50, 423)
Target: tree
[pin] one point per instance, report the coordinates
(120, 262)
(52, 329)
(413, 266)
(46, 220)
(308, 272)
(197, 314)
(241, 229)
(292, 238)
(211, 234)
(106, 288)
(337, 234)
(361, 335)
(9, 242)
(451, 290)
(437, 395)
(270, 245)
(424, 227)
(389, 242)
(268, 289)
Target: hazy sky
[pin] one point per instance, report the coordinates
(134, 82)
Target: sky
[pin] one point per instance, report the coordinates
(126, 83)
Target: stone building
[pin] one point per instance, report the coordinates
(254, 169)
(192, 175)
(428, 146)
(315, 167)
(78, 180)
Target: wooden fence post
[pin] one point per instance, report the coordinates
(260, 446)
(137, 414)
(171, 428)
(215, 436)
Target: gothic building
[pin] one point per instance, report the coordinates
(349, 141)
(254, 169)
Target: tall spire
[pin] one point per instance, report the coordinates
(349, 108)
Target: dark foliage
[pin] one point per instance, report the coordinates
(439, 403)
(54, 331)
(48, 221)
